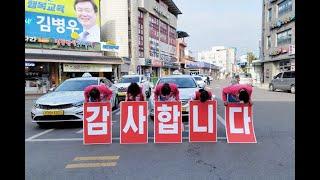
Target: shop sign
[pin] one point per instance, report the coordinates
(156, 63)
(192, 65)
(280, 23)
(74, 43)
(109, 47)
(292, 49)
(148, 62)
(29, 64)
(87, 68)
(279, 51)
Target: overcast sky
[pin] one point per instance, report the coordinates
(231, 23)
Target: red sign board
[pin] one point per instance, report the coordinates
(97, 123)
(167, 122)
(203, 121)
(239, 123)
(134, 122)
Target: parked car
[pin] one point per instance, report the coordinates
(187, 86)
(65, 103)
(200, 81)
(204, 77)
(245, 78)
(283, 81)
(126, 80)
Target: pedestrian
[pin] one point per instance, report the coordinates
(208, 80)
(166, 92)
(202, 95)
(237, 93)
(97, 93)
(235, 80)
(134, 93)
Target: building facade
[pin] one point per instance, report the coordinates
(145, 30)
(223, 57)
(278, 37)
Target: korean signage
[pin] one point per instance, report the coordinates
(167, 122)
(203, 121)
(87, 68)
(63, 19)
(239, 124)
(134, 122)
(97, 123)
(109, 47)
(156, 63)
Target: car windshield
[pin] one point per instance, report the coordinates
(129, 79)
(180, 82)
(76, 85)
(198, 78)
(246, 75)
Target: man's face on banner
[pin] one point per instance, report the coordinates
(85, 14)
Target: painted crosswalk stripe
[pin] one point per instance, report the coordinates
(88, 165)
(96, 158)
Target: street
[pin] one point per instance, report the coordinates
(58, 152)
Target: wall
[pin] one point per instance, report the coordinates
(114, 24)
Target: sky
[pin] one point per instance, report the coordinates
(230, 23)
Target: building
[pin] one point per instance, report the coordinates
(220, 56)
(278, 37)
(145, 30)
(57, 49)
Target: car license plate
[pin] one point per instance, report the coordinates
(53, 112)
(122, 93)
(184, 109)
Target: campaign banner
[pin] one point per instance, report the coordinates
(239, 123)
(203, 121)
(167, 122)
(63, 19)
(134, 122)
(97, 127)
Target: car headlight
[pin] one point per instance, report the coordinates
(35, 105)
(78, 104)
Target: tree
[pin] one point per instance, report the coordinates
(251, 57)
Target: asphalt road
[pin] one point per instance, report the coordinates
(57, 152)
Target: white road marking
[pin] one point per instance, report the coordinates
(81, 139)
(80, 131)
(117, 113)
(37, 135)
(221, 119)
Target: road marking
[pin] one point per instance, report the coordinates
(80, 131)
(81, 139)
(37, 135)
(88, 165)
(96, 158)
(117, 113)
(221, 119)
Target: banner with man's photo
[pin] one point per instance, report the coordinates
(63, 19)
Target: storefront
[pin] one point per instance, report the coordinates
(38, 76)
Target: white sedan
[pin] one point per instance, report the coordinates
(65, 103)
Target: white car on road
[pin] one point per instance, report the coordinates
(200, 81)
(65, 103)
(187, 86)
(126, 80)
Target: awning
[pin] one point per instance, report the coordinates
(30, 57)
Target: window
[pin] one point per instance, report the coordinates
(163, 32)
(284, 7)
(268, 42)
(172, 36)
(269, 15)
(287, 75)
(141, 34)
(278, 76)
(285, 65)
(284, 37)
(154, 36)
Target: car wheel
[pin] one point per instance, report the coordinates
(293, 89)
(271, 87)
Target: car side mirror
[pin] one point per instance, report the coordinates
(51, 89)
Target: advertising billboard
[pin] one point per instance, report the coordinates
(63, 19)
